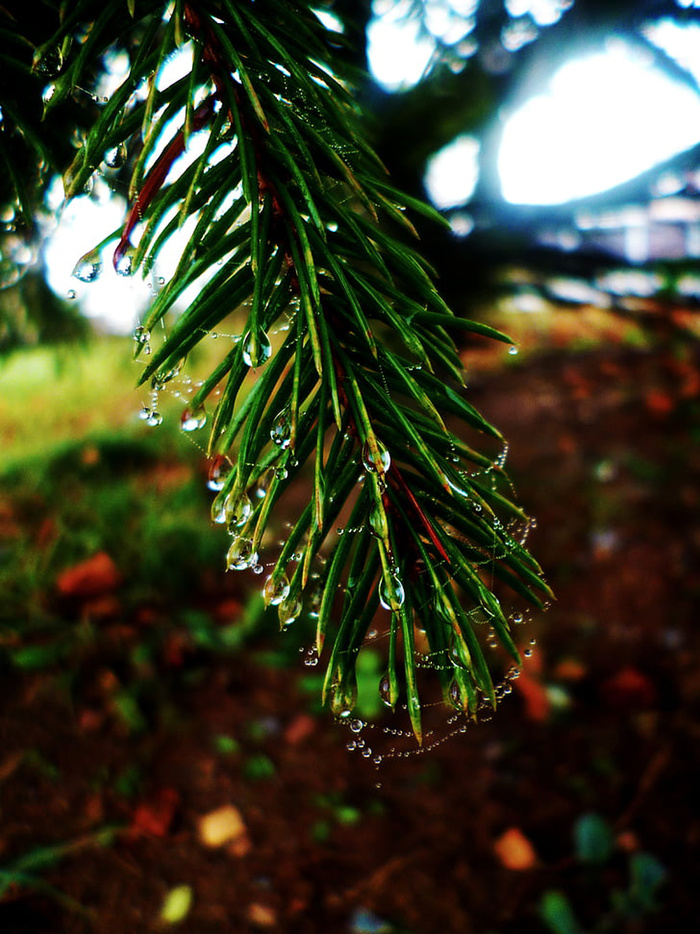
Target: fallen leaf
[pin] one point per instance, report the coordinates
(97, 575)
(514, 850)
(155, 815)
(301, 727)
(629, 688)
(569, 669)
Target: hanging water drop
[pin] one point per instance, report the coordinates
(256, 349)
(378, 463)
(378, 522)
(391, 592)
(116, 157)
(276, 590)
(218, 511)
(145, 413)
(219, 470)
(88, 267)
(49, 64)
(158, 380)
(237, 510)
(124, 261)
(385, 690)
(513, 350)
(192, 419)
(240, 555)
(154, 419)
(281, 431)
(288, 611)
(141, 335)
(72, 294)
(264, 481)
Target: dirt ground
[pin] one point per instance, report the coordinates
(472, 836)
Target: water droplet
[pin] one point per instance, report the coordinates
(258, 569)
(72, 294)
(331, 226)
(50, 63)
(528, 653)
(124, 261)
(48, 93)
(145, 413)
(288, 611)
(192, 419)
(281, 430)
(116, 157)
(344, 713)
(256, 351)
(282, 473)
(378, 522)
(385, 690)
(88, 267)
(218, 472)
(381, 464)
(276, 590)
(513, 350)
(351, 746)
(158, 380)
(240, 555)
(366, 752)
(141, 335)
(237, 510)
(218, 511)
(455, 695)
(517, 617)
(154, 419)
(391, 592)
(356, 726)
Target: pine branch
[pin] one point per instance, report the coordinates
(292, 216)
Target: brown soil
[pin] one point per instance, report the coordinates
(604, 451)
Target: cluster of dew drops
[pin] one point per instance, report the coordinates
(391, 593)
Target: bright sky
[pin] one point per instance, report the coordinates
(602, 120)
(599, 121)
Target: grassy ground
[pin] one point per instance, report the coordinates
(164, 760)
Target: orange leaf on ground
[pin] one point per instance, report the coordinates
(97, 575)
(301, 727)
(658, 402)
(155, 815)
(569, 669)
(629, 688)
(514, 850)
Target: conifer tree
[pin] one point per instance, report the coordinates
(346, 367)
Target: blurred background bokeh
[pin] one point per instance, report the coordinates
(164, 759)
